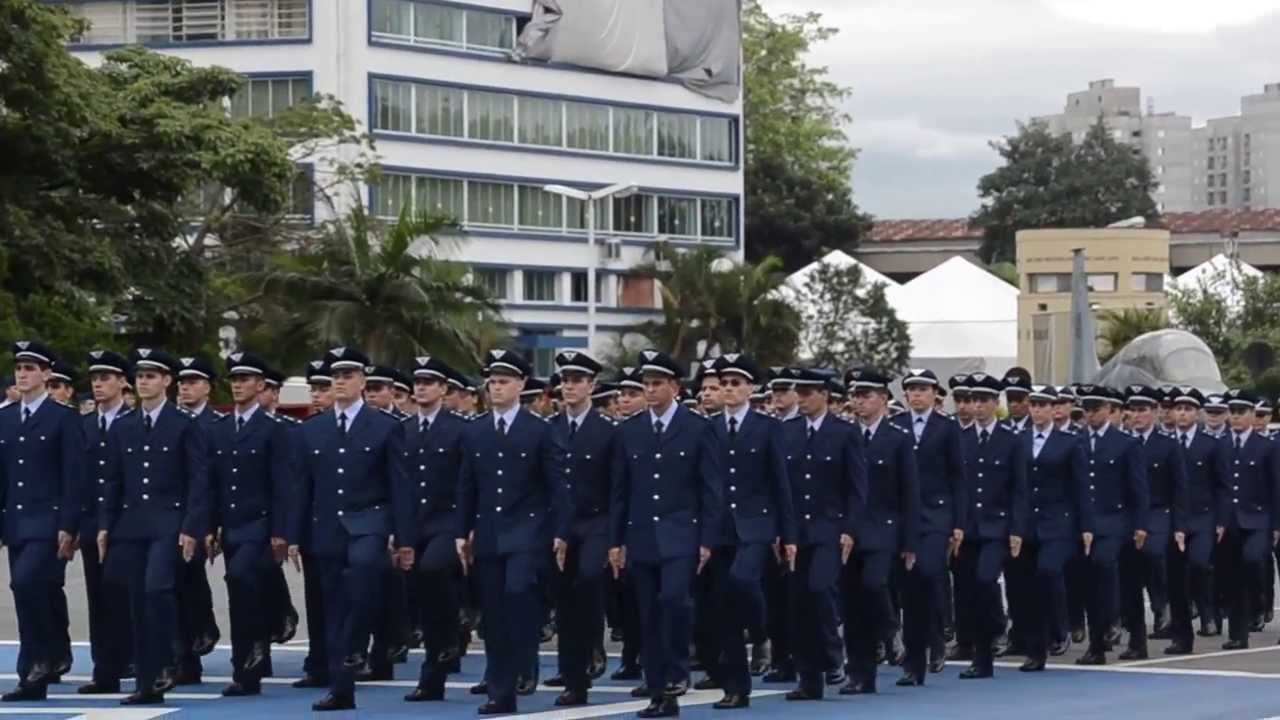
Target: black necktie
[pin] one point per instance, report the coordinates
(1238, 442)
(239, 423)
(146, 422)
(733, 428)
(573, 429)
(102, 424)
(342, 424)
(26, 414)
(657, 428)
(812, 432)
(866, 435)
(424, 426)
(1186, 442)
(983, 436)
(502, 426)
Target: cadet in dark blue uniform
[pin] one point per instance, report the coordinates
(1247, 516)
(1017, 389)
(282, 617)
(315, 666)
(944, 502)
(41, 479)
(1166, 518)
(433, 458)
(1191, 572)
(251, 483)
(828, 476)
(1060, 521)
(513, 504)
(631, 402)
(198, 631)
(352, 495)
(110, 635)
(155, 510)
(588, 437)
(998, 510)
(886, 530)
(1118, 498)
(759, 521)
(667, 498)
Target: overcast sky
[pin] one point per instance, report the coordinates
(934, 80)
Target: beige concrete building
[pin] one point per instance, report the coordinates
(1126, 268)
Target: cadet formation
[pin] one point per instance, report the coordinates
(778, 525)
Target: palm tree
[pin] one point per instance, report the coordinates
(382, 287)
(1120, 327)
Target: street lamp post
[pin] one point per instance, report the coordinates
(617, 190)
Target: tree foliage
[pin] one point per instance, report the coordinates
(1237, 327)
(1118, 328)
(847, 321)
(1048, 181)
(799, 163)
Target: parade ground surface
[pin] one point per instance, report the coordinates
(1238, 685)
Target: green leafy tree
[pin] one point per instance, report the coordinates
(379, 286)
(1242, 328)
(799, 163)
(847, 321)
(1047, 181)
(711, 303)
(1120, 327)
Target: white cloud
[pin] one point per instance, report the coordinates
(1171, 16)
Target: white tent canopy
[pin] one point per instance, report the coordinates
(1219, 275)
(962, 319)
(793, 290)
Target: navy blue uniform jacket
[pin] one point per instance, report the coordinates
(41, 472)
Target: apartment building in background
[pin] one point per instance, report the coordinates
(463, 130)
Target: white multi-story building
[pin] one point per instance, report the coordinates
(464, 131)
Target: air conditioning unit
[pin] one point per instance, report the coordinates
(611, 250)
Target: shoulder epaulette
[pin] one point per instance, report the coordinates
(481, 415)
(186, 412)
(221, 418)
(219, 415)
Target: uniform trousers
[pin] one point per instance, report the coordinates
(1104, 587)
(110, 628)
(34, 575)
(1140, 570)
(778, 611)
(1038, 574)
(922, 602)
(391, 621)
(1241, 558)
(666, 614)
(195, 610)
(148, 569)
(580, 607)
(737, 576)
(513, 612)
(980, 562)
(437, 584)
(815, 615)
(868, 612)
(247, 566)
(1191, 582)
(316, 663)
(352, 582)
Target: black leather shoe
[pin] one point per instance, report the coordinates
(334, 702)
(355, 661)
(555, 681)
(526, 687)
(1077, 635)
(1092, 657)
(615, 635)
(99, 688)
(1259, 623)
(1134, 654)
(858, 687)
(627, 672)
(661, 707)
(547, 632)
(835, 677)
(779, 675)
(707, 683)
(676, 689)
(1059, 649)
(896, 652)
(599, 664)
(642, 691)
(570, 698)
(1177, 648)
(761, 658)
(167, 681)
(257, 657)
(937, 662)
(381, 674)
(975, 672)
(1013, 648)
(206, 643)
(288, 630)
(310, 681)
(23, 693)
(40, 674)
(732, 701)
(1235, 645)
(398, 654)
(960, 653)
(496, 708)
(62, 667)
(143, 698)
(909, 679)
(799, 694)
(1033, 665)
(1112, 638)
(480, 688)
(949, 633)
(421, 694)
(236, 689)
(1161, 631)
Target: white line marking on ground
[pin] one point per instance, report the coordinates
(1184, 658)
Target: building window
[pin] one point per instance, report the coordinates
(633, 131)
(439, 111)
(541, 122)
(441, 197)
(495, 282)
(678, 216)
(540, 285)
(393, 106)
(1248, 195)
(491, 204)
(717, 217)
(491, 116)
(633, 214)
(635, 291)
(302, 199)
(578, 287)
(1208, 198)
(576, 214)
(1211, 181)
(264, 97)
(188, 21)
(678, 136)
(1050, 282)
(717, 139)
(1211, 160)
(426, 23)
(1222, 179)
(586, 126)
(1148, 282)
(394, 195)
(1222, 197)
(1098, 282)
(540, 209)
